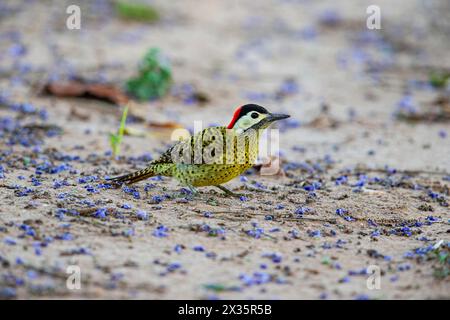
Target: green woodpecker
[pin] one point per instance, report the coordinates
(213, 156)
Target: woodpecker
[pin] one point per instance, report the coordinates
(213, 156)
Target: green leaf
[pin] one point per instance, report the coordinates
(116, 139)
(154, 78)
(439, 79)
(218, 287)
(26, 161)
(136, 11)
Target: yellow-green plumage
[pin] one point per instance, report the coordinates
(228, 158)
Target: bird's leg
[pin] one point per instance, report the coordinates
(193, 190)
(228, 192)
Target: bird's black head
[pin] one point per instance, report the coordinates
(253, 116)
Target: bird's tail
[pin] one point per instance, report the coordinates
(135, 176)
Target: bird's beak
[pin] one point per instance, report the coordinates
(271, 117)
(276, 116)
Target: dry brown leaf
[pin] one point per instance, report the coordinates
(165, 125)
(82, 89)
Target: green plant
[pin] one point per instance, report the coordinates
(442, 269)
(439, 79)
(116, 139)
(154, 78)
(136, 11)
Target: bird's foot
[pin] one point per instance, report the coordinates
(229, 192)
(193, 193)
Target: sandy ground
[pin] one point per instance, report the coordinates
(359, 187)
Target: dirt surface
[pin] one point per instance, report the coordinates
(359, 186)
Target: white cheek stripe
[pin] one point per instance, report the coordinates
(245, 122)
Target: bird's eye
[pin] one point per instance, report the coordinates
(255, 115)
